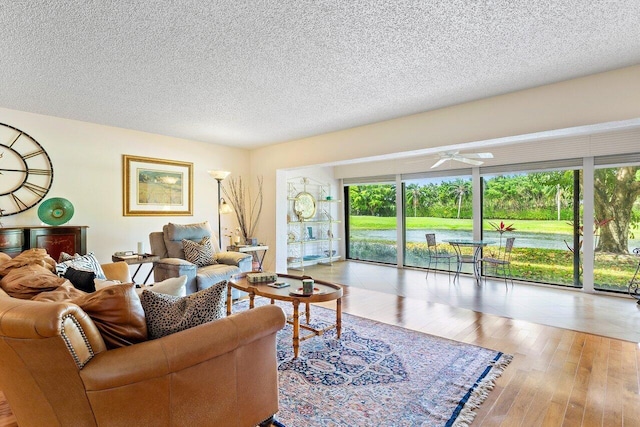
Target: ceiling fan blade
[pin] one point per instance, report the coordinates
(438, 163)
(478, 155)
(468, 161)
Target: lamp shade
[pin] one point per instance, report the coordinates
(225, 208)
(219, 175)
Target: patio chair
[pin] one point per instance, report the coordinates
(436, 254)
(501, 263)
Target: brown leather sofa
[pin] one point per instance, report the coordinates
(55, 369)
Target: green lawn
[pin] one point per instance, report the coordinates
(389, 223)
(534, 264)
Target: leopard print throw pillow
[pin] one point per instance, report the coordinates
(167, 314)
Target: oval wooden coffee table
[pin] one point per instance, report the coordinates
(323, 291)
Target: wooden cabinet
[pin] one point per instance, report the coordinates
(11, 241)
(69, 239)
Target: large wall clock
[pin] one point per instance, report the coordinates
(26, 172)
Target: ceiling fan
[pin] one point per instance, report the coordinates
(469, 158)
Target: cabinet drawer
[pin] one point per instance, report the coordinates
(11, 241)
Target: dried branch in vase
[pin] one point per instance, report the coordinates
(247, 210)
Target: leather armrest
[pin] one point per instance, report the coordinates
(117, 271)
(182, 350)
(231, 258)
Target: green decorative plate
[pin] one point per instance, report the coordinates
(55, 211)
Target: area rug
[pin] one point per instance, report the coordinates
(381, 375)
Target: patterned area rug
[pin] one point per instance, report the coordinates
(378, 374)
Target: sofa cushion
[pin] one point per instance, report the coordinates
(117, 313)
(174, 233)
(81, 279)
(198, 253)
(28, 281)
(4, 258)
(171, 286)
(65, 292)
(168, 314)
(86, 262)
(34, 256)
(212, 274)
(100, 283)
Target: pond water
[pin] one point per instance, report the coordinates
(523, 239)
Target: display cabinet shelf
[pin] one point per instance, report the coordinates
(311, 224)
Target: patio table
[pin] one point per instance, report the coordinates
(469, 259)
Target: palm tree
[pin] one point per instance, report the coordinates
(413, 197)
(460, 188)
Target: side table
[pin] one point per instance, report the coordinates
(138, 260)
(258, 252)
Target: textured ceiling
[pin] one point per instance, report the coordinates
(250, 73)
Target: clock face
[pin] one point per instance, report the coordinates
(26, 172)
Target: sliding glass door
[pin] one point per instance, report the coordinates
(371, 223)
(537, 208)
(616, 221)
(541, 208)
(442, 206)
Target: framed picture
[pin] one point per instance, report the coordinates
(156, 187)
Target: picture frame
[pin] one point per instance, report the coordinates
(156, 187)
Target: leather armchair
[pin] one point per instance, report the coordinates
(56, 370)
(167, 244)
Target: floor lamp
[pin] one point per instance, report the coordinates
(223, 207)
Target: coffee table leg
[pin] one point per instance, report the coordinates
(228, 299)
(339, 316)
(308, 313)
(251, 298)
(296, 328)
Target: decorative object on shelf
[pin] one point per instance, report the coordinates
(247, 210)
(157, 187)
(304, 206)
(26, 169)
(310, 223)
(55, 211)
(223, 207)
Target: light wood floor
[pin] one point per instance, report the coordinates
(576, 355)
(558, 377)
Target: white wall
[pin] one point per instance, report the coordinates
(592, 100)
(87, 162)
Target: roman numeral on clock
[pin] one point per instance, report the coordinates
(35, 189)
(39, 171)
(19, 203)
(33, 154)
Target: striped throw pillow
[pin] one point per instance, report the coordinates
(87, 262)
(198, 253)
